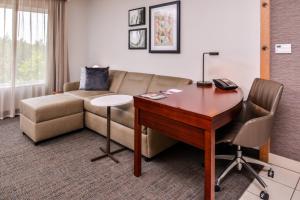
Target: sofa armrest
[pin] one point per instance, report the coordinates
(71, 86)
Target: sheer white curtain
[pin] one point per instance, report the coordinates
(30, 51)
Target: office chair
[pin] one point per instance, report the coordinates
(251, 129)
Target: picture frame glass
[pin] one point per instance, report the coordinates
(138, 39)
(137, 17)
(164, 28)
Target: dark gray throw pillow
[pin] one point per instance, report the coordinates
(94, 78)
(82, 78)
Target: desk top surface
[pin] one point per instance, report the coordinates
(208, 102)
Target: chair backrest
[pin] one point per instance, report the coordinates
(258, 113)
(266, 94)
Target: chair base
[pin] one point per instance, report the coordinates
(241, 161)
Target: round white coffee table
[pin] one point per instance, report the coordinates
(108, 102)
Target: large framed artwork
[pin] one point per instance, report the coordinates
(137, 17)
(164, 33)
(137, 38)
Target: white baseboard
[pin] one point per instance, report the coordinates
(284, 162)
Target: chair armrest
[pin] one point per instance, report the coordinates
(71, 86)
(242, 117)
(255, 132)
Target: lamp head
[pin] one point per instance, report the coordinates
(215, 53)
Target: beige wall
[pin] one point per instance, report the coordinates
(231, 27)
(77, 36)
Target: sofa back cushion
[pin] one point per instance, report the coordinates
(162, 83)
(135, 83)
(115, 80)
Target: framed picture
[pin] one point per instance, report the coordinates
(164, 20)
(137, 17)
(137, 39)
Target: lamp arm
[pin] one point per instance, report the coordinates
(203, 63)
(208, 83)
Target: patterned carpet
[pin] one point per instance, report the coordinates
(61, 169)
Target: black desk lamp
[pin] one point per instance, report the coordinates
(206, 83)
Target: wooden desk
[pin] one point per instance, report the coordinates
(191, 116)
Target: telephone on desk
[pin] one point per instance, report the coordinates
(225, 84)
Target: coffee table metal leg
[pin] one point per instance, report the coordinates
(108, 130)
(110, 155)
(99, 158)
(107, 152)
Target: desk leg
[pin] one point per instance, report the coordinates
(137, 145)
(209, 164)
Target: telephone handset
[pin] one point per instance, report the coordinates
(225, 84)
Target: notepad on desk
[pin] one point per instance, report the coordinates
(171, 91)
(154, 96)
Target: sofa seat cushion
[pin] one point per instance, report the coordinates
(85, 93)
(122, 114)
(50, 107)
(162, 83)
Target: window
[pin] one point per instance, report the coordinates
(6, 53)
(27, 64)
(31, 48)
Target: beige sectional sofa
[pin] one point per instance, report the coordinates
(122, 124)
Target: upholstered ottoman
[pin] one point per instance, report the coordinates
(49, 116)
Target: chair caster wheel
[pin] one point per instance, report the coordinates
(271, 173)
(263, 195)
(217, 188)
